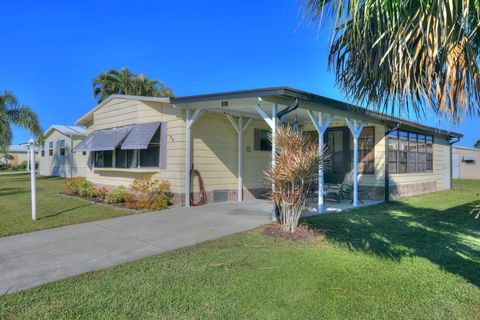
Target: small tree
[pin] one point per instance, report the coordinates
(477, 144)
(296, 166)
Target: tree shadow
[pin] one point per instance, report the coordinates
(448, 238)
(65, 211)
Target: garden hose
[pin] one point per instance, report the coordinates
(203, 195)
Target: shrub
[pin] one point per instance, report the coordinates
(86, 189)
(296, 164)
(151, 194)
(72, 185)
(22, 166)
(116, 196)
(100, 193)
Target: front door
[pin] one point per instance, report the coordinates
(337, 141)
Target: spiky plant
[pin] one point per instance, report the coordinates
(399, 54)
(296, 167)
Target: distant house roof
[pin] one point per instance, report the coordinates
(466, 148)
(67, 130)
(17, 148)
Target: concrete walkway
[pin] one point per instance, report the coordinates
(31, 259)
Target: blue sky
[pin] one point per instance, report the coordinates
(51, 51)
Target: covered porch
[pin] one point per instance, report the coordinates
(348, 132)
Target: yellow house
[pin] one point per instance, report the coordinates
(215, 147)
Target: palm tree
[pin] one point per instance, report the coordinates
(13, 113)
(405, 53)
(477, 144)
(126, 82)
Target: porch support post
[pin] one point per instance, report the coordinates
(321, 125)
(189, 121)
(356, 128)
(240, 128)
(272, 122)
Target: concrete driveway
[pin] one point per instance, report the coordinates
(31, 259)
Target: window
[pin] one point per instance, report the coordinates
(409, 152)
(366, 151)
(150, 157)
(103, 159)
(84, 153)
(62, 147)
(50, 148)
(261, 140)
(126, 158)
(42, 152)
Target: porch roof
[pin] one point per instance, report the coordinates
(241, 101)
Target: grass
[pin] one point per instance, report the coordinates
(53, 209)
(418, 258)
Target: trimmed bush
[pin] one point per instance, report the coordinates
(151, 194)
(116, 196)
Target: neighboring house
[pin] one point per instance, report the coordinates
(466, 163)
(15, 155)
(225, 137)
(56, 157)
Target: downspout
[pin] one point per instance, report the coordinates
(451, 160)
(287, 110)
(387, 165)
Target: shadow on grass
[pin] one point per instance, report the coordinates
(65, 211)
(449, 238)
(10, 191)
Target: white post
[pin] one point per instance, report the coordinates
(356, 129)
(321, 125)
(272, 122)
(240, 129)
(31, 148)
(28, 158)
(189, 121)
(240, 161)
(274, 151)
(187, 157)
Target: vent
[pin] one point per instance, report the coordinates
(224, 103)
(220, 195)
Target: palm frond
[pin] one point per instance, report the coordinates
(397, 54)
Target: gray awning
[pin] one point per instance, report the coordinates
(85, 144)
(140, 136)
(109, 139)
(469, 157)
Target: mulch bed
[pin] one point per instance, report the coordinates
(301, 233)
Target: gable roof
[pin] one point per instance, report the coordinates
(66, 130)
(87, 116)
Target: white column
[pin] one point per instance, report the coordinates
(321, 126)
(189, 121)
(356, 128)
(187, 157)
(240, 129)
(28, 158)
(272, 122)
(31, 148)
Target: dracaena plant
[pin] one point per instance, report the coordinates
(401, 55)
(296, 167)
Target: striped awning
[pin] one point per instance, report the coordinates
(140, 136)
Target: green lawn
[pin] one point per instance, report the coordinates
(53, 209)
(416, 259)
